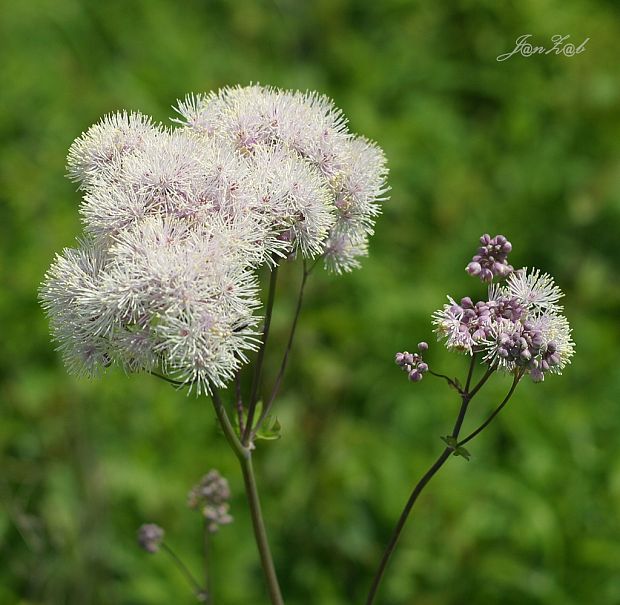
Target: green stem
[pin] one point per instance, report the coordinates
(260, 533)
(449, 380)
(207, 561)
(258, 368)
(187, 574)
(244, 455)
(466, 397)
(471, 372)
(287, 352)
(497, 410)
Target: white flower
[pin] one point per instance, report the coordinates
(310, 127)
(535, 290)
(101, 149)
(71, 296)
(178, 221)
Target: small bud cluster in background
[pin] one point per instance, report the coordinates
(177, 222)
(211, 496)
(412, 363)
(150, 537)
(518, 328)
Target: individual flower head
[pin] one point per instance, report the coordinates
(192, 291)
(491, 260)
(292, 191)
(71, 296)
(100, 151)
(536, 290)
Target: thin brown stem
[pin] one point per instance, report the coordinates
(289, 345)
(449, 380)
(260, 532)
(497, 410)
(466, 398)
(481, 382)
(176, 383)
(258, 368)
(417, 490)
(470, 374)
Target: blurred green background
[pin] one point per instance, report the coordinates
(529, 147)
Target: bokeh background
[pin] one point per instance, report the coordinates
(529, 147)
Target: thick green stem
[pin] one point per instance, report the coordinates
(259, 531)
(244, 455)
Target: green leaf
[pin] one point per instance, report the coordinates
(461, 451)
(270, 430)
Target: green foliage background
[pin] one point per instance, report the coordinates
(528, 147)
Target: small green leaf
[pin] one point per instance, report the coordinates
(450, 441)
(270, 430)
(461, 451)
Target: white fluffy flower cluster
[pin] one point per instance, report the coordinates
(178, 220)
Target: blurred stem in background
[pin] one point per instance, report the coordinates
(453, 446)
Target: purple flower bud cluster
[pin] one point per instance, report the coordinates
(549, 360)
(520, 327)
(522, 345)
(467, 324)
(150, 537)
(412, 363)
(491, 260)
(211, 496)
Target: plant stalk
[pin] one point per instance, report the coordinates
(466, 397)
(244, 455)
(258, 368)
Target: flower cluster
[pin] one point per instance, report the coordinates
(520, 327)
(211, 496)
(150, 537)
(412, 363)
(177, 221)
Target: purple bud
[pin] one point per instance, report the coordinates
(473, 268)
(486, 275)
(415, 376)
(423, 346)
(467, 303)
(537, 375)
(399, 359)
(422, 367)
(491, 258)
